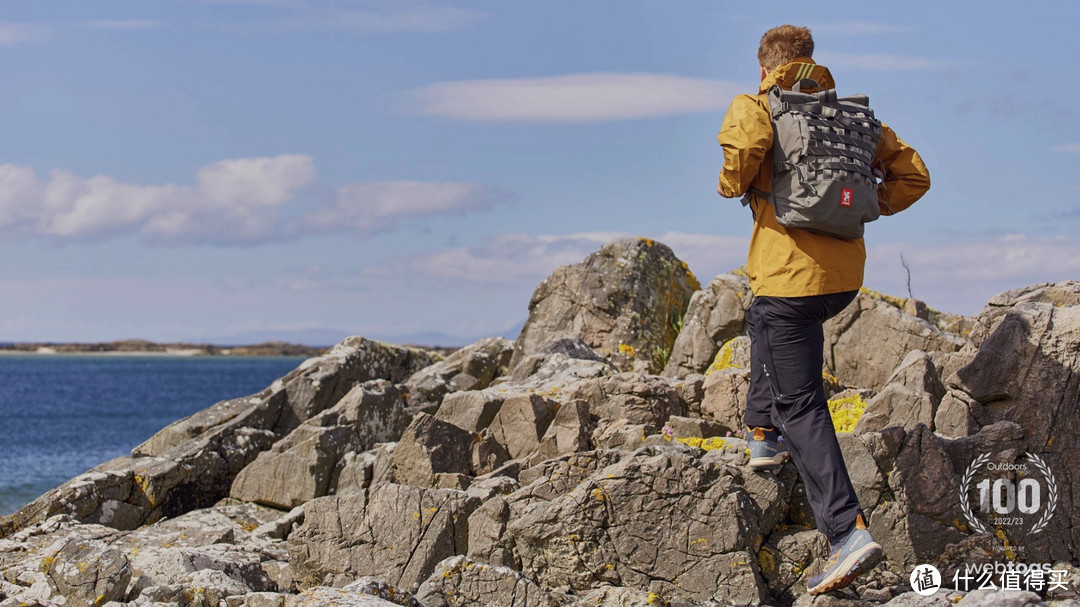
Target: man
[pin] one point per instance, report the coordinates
(801, 278)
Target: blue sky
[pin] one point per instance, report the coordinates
(184, 169)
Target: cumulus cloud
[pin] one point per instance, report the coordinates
(579, 98)
(233, 201)
(883, 62)
(377, 207)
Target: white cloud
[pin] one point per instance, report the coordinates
(124, 24)
(376, 207)
(593, 97)
(19, 33)
(882, 62)
(231, 202)
(1069, 147)
(527, 258)
(857, 28)
(960, 276)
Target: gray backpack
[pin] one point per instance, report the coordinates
(824, 149)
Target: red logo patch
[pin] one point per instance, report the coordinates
(846, 195)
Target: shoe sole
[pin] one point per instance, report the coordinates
(855, 565)
(779, 459)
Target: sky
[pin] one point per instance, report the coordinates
(226, 169)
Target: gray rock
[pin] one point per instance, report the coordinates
(431, 447)
(716, 314)
(521, 422)
(786, 561)
(616, 528)
(472, 410)
(558, 350)
(192, 463)
(638, 399)
(488, 454)
(624, 301)
(911, 396)
(570, 431)
(300, 467)
(89, 574)
(470, 368)
(321, 596)
(866, 341)
(462, 582)
(398, 533)
(725, 398)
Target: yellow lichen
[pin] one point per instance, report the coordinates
(846, 412)
(723, 358)
(766, 560)
(627, 350)
(599, 494)
(708, 444)
(648, 241)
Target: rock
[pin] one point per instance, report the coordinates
(866, 341)
(521, 422)
(354, 473)
(715, 315)
(321, 596)
(396, 532)
(192, 463)
(558, 350)
(691, 391)
(488, 454)
(89, 574)
(725, 398)
(911, 396)
(786, 559)
(470, 368)
(958, 415)
(1027, 371)
(692, 427)
(624, 301)
(300, 467)
(570, 431)
(472, 410)
(616, 527)
(636, 398)
(462, 582)
(431, 447)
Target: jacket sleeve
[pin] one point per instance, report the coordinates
(746, 136)
(906, 177)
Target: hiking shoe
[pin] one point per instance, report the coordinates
(851, 557)
(766, 448)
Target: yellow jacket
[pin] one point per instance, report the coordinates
(792, 262)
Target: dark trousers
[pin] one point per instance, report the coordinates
(787, 393)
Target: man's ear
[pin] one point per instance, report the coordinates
(763, 74)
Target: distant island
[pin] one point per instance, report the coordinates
(141, 346)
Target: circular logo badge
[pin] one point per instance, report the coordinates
(925, 580)
(1019, 495)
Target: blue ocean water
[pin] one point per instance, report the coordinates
(62, 415)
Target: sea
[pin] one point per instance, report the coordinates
(61, 415)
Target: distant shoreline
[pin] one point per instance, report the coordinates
(146, 348)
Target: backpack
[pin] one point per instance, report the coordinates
(824, 149)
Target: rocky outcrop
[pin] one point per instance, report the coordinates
(192, 463)
(470, 368)
(625, 301)
(300, 467)
(716, 314)
(373, 476)
(867, 340)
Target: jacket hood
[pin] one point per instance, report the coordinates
(789, 73)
